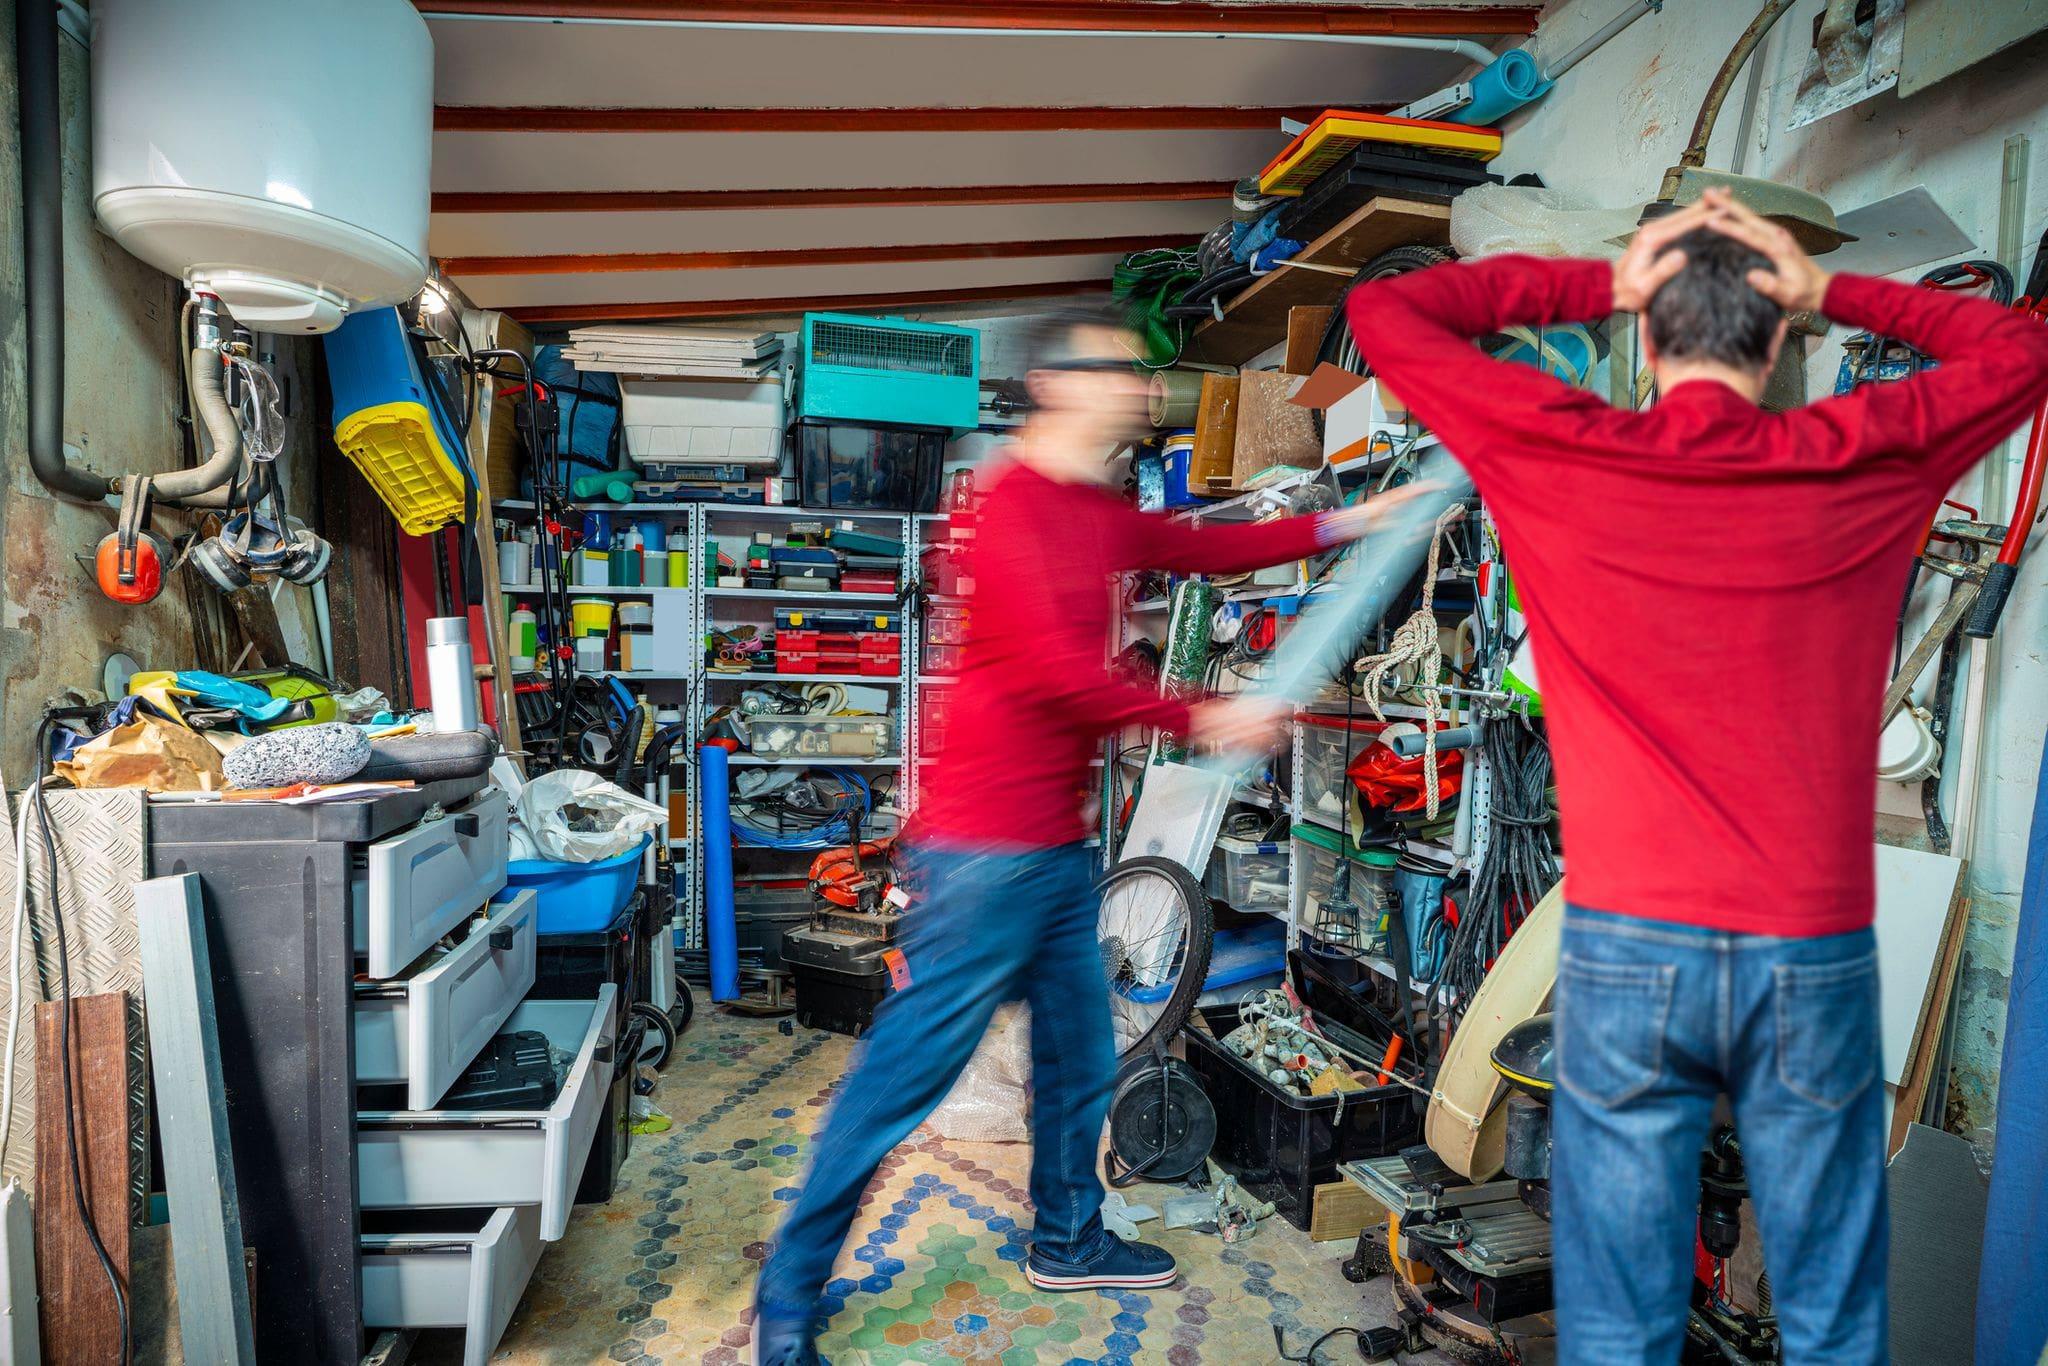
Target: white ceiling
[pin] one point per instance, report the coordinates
(522, 78)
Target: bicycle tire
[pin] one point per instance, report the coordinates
(1336, 347)
(1201, 935)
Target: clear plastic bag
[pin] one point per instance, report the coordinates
(1488, 220)
(574, 816)
(991, 1102)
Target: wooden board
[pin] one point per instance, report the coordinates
(496, 330)
(1925, 1051)
(1917, 896)
(79, 1324)
(1257, 317)
(1305, 328)
(1340, 1209)
(1215, 436)
(1270, 430)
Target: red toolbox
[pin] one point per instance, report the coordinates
(870, 654)
(866, 581)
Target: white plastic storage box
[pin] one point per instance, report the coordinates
(1325, 791)
(463, 1268)
(1317, 852)
(703, 422)
(1249, 874)
(823, 738)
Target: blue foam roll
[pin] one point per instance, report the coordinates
(1510, 82)
(721, 931)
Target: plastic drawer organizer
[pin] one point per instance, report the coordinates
(461, 1159)
(1325, 791)
(416, 886)
(424, 1028)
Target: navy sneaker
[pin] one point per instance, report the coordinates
(1113, 1265)
(783, 1342)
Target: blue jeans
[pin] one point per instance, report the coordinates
(982, 929)
(1655, 1020)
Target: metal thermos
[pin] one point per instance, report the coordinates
(451, 674)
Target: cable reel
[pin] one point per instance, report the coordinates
(1161, 1122)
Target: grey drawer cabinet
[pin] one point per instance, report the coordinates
(282, 887)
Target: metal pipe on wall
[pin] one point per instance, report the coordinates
(42, 250)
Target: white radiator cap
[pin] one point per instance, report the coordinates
(273, 154)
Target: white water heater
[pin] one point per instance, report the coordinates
(272, 152)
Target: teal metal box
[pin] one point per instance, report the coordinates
(854, 369)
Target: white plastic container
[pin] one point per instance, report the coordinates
(823, 738)
(703, 422)
(1249, 874)
(299, 196)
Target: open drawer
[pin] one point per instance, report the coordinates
(417, 885)
(423, 1030)
(451, 1269)
(429, 1159)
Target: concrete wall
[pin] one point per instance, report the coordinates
(1609, 130)
(123, 398)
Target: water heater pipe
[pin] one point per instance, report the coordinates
(42, 251)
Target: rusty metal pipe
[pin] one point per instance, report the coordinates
(1695, 153)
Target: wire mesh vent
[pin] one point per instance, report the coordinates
(862, 346)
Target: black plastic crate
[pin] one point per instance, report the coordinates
(1281, 1146)
(874, 467)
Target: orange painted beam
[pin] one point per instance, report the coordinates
(1094, 119)
(1164, 16)
(615, 263)
(810, 303)
(683, 201)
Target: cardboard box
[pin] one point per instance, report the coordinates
(678, 815)
(1353, 409)
(1270, 430)
(1215, 437)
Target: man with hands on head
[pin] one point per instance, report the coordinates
(1711, 589)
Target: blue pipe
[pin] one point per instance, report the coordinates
(721, 930)
(1498, 90)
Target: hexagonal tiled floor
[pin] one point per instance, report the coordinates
(932, 1272)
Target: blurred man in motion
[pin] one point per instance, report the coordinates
(1005, 907)
(1711, 590)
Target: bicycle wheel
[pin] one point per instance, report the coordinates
(1338, 347)
(1154, 929)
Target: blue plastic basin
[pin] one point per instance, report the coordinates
(575, 898)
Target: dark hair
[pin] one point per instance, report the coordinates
(1051, 339)
(1709, 311)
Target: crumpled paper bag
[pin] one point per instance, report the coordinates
(146, 752)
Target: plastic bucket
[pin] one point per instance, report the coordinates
(591, 616)
(575, 898)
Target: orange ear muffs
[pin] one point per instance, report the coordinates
(129, 563)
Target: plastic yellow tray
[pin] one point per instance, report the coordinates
(395, 447)
(1336, 132)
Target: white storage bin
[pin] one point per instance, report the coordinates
(445, 1159)
(1325, 791)
(1371, 889)
(443, 1271)
(823, 738)
(414, 887)
(1248, 874)
(703, 422)
(425, 1029)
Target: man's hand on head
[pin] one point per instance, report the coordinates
(1794, 282)
(1650, 259)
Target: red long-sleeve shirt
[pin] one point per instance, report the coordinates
(1711, 588)
(1035, 696)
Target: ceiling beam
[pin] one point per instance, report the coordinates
(810, 303)
(685, 201)
(1163, 16)
(1094, 119)
(616, 263)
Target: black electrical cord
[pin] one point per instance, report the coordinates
(65, 1065)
